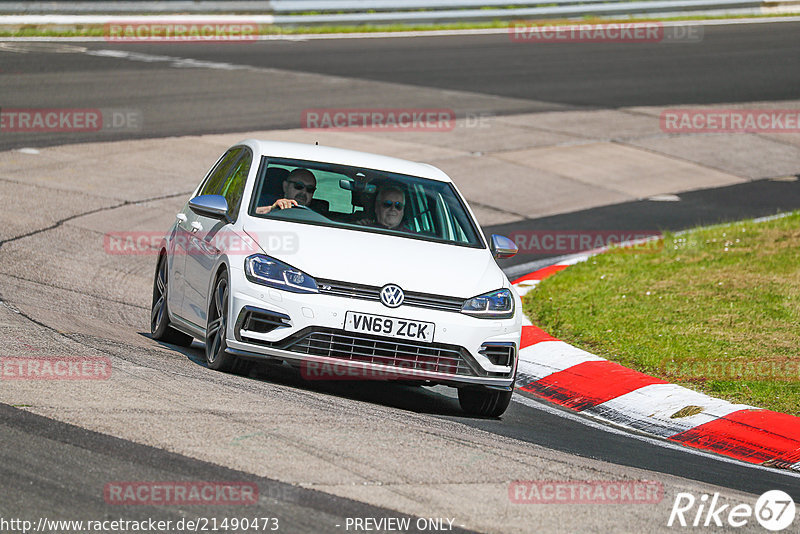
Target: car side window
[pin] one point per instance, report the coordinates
(233, 189)
(420, 219)
(216, 179)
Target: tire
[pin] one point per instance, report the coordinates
(217, 326)
(160, 328)
(484, 402)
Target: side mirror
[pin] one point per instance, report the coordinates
(503, 247)
(214, 206)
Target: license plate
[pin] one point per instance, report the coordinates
(388, 326)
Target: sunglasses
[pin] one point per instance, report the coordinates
(301, 186)
(388, 204)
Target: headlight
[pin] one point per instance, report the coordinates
(495, 305)
(267, 271)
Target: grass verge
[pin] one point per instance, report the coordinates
(715, 309)
(97, 30)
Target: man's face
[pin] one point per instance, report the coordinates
(297, 188)
(389, 208)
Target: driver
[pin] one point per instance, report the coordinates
(298, 190)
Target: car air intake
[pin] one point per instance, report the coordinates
(255, 321)
(499, 353)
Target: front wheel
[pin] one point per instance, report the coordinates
(216, 330)
(484, 402)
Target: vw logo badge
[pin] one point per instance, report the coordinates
(392, 295)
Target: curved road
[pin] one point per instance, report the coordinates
(317, 452)
(470, 74)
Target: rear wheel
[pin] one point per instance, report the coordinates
(484, 402)
(159, 312)
(216, 357)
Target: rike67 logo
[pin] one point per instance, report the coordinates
(774, 510)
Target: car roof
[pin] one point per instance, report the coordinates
(343, 156)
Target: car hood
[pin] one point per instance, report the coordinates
(378, 259)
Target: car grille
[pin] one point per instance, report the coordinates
(365, 292)
(437, 358)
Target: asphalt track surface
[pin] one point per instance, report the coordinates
(749, 63)
(759, 198)
(482, 74)
(48, 484)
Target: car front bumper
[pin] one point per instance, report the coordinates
(309, 330)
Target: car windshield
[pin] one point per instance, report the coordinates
(364, 200)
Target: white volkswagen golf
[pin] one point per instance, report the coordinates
(346, 265)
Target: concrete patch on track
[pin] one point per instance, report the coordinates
(622, 169)
(749, 156)
(51, 204)
(601, 124)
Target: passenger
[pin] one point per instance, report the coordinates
(390, 206)
(298, 190)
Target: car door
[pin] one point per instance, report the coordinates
(177, 259)
(206, 241)
(185, 239)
